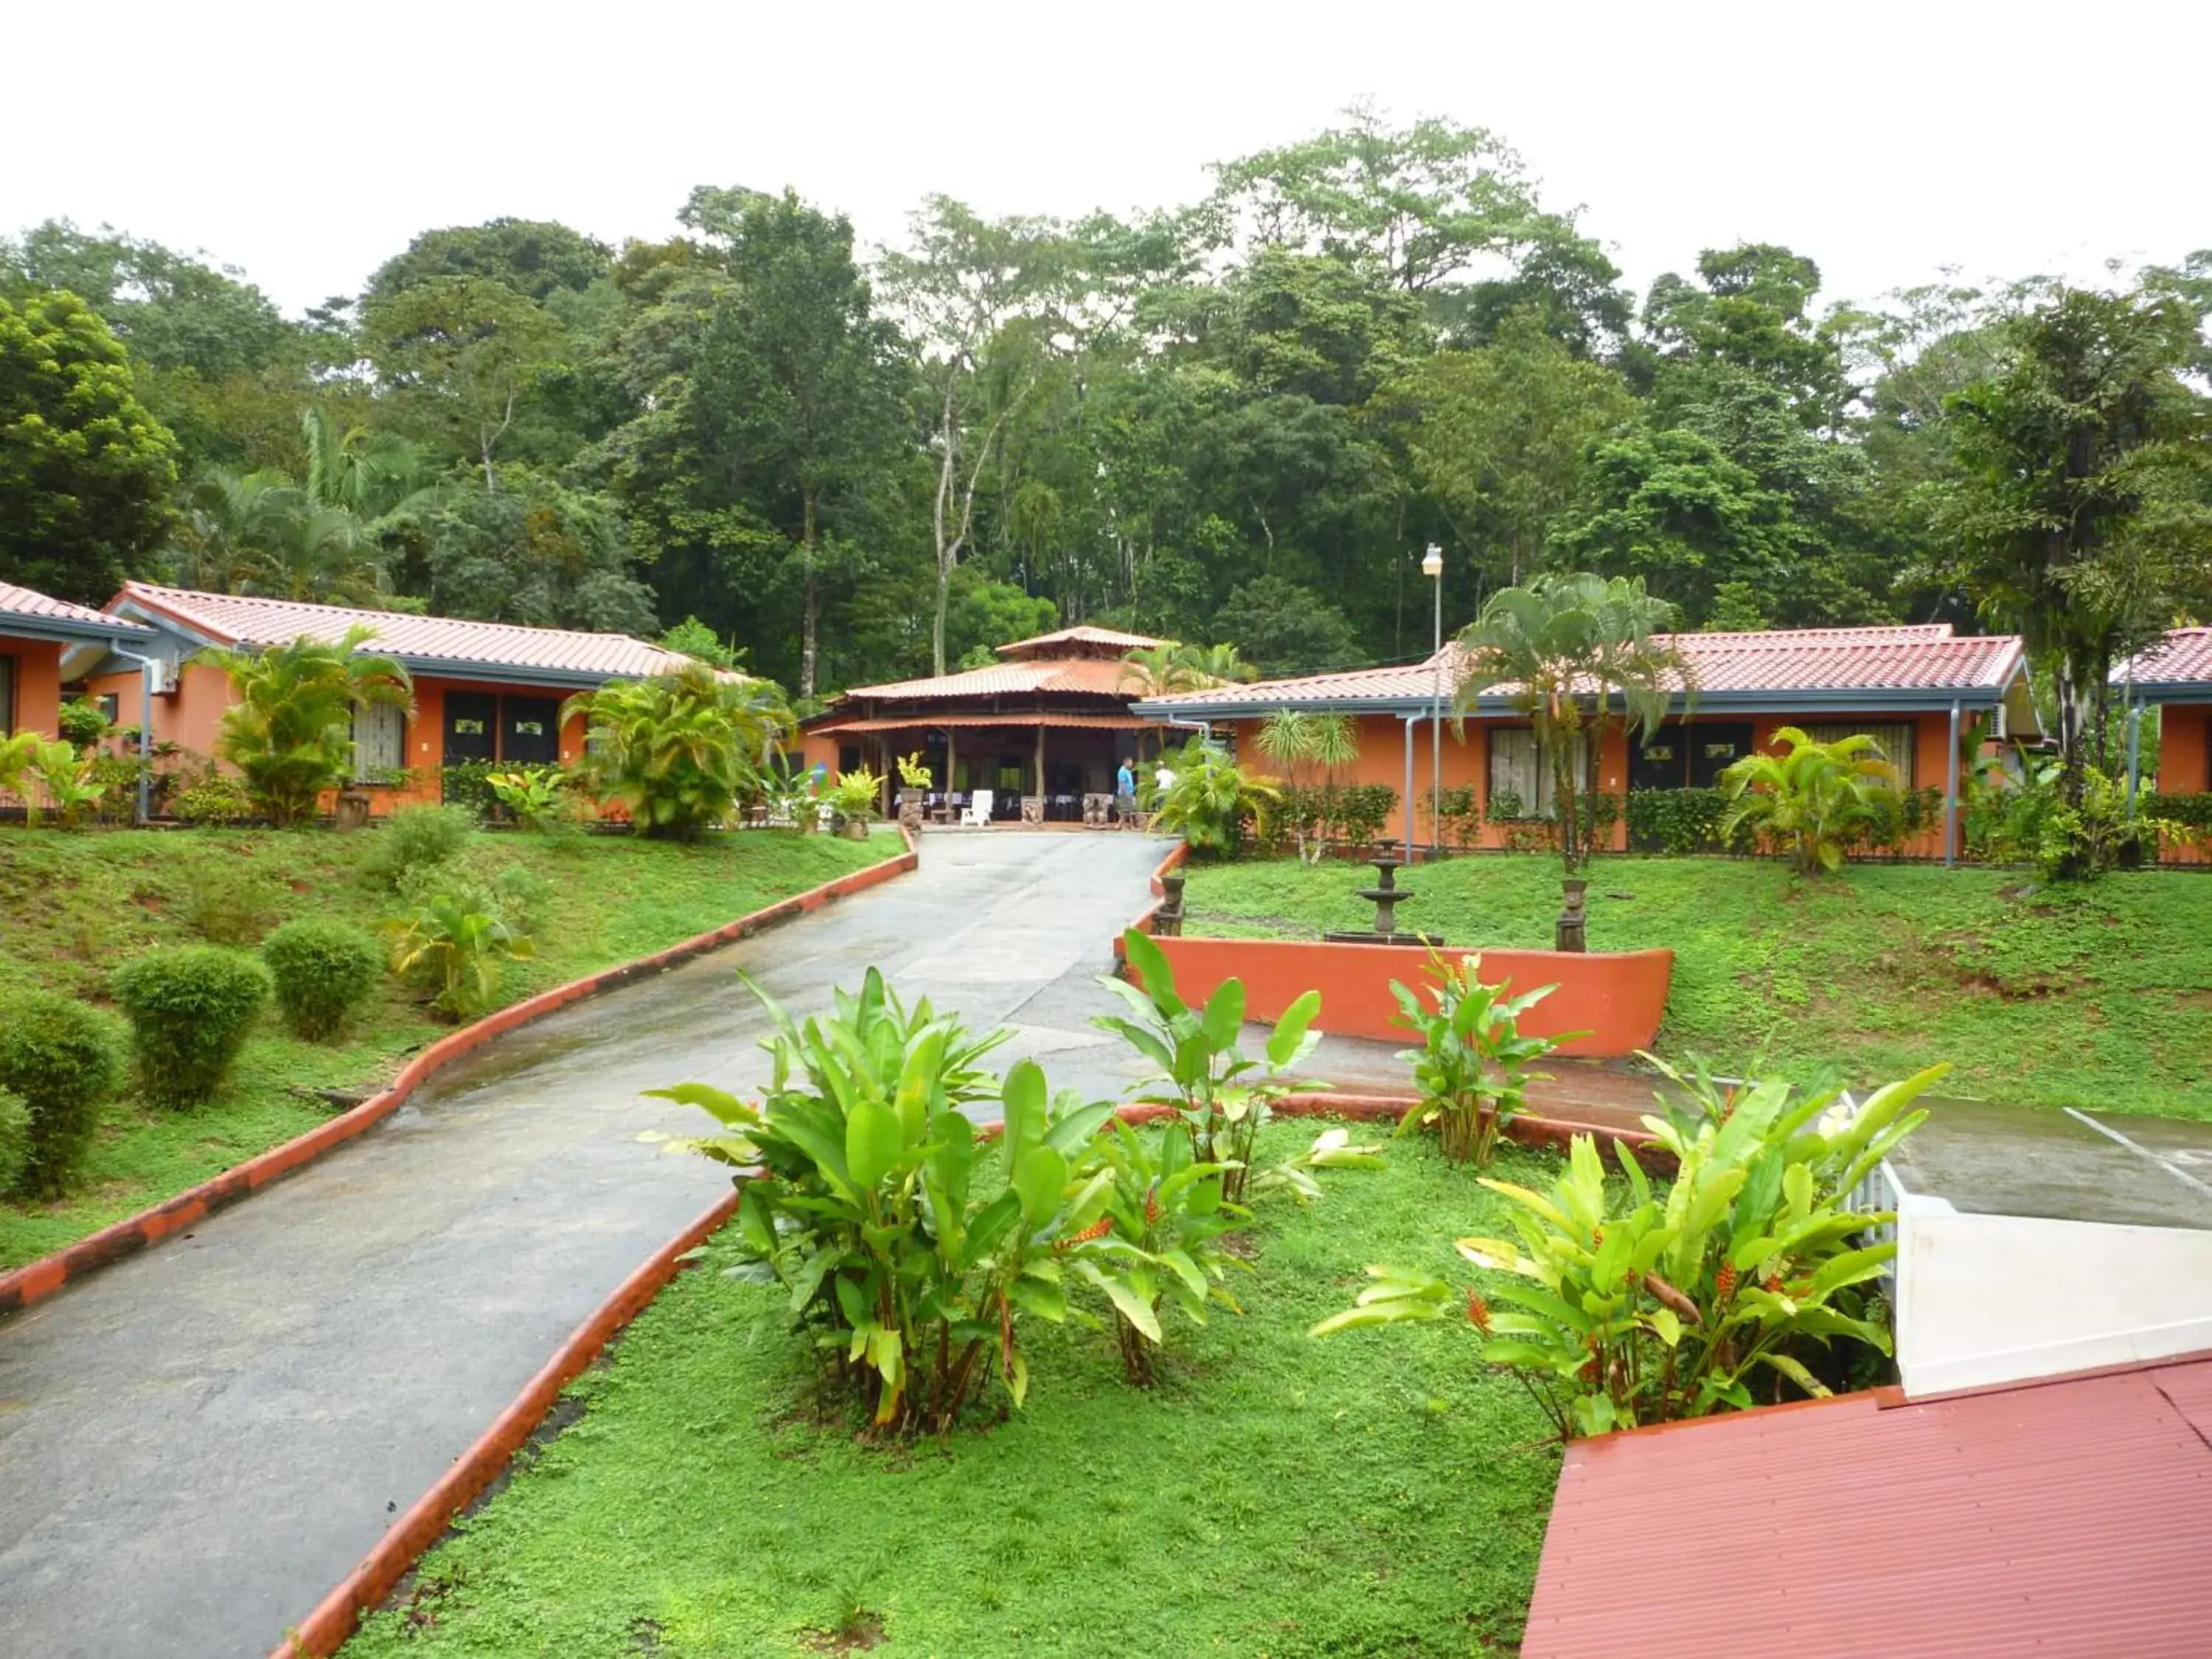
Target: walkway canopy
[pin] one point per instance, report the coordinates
(1050, 720)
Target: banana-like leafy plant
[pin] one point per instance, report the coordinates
(1814, 800)
(531, 794)
(455, 947)
(1158, 1239)
(873, 1199)
(678, 750)
(1221, 1094)
(67, 779)
(1624, 1304)
(1471, 1068)
(1212, 799)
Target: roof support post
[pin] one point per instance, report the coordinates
(2135, 748)
(1951, 794)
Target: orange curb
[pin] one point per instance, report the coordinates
(335, 1617)
(36, 1280)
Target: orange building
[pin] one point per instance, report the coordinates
(2175, 677)
(483, 690)
(1919, 691)
(36, 633)
(1051, 722)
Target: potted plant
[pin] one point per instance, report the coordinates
(914, 789)
(853, 800)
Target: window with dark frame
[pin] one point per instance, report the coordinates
(7, 696)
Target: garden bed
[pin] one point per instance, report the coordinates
(1379, 1494)
(72, 906)
(2097, 995)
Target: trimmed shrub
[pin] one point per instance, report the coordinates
(15, 1139)
(418, 838)
(190, 1008)
(217, 798)
(62, 1058)
(323, 970)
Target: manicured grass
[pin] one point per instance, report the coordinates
(1376, 1494)
(2091, 996)
(73, 906)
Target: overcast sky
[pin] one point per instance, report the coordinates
(306, 144)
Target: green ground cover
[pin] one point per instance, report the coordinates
(74, 906)
(1379, 1494)
(2097, 995)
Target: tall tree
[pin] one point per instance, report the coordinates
(2083, 508)
(85, 471)
(981, 297)
(462, 353)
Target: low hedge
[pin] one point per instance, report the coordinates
(191, 1007)
(63, 1059)
(2194, 811)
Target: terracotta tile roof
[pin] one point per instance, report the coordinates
(1823, 663)
(2184, 657)
(58, 615)
(1051, 718)
(2066, 1516)
(1096, 676)
(421, 642)
(1111, 639)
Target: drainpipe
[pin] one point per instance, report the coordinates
(1951, 795)
(1412, 721)
(146, 665)
(1184, 722)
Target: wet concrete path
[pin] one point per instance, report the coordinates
(197, 1443)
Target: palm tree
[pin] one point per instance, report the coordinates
(1813, 799)
(677, 749)
(1561, 647)
(1158, 670)
(1295, 736)
(263, 534)
(366, 472)
(289, 727)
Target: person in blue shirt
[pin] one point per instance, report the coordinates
(1125, 791)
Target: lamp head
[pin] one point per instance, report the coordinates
(1432, 562)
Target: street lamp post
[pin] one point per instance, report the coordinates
(1433, 567)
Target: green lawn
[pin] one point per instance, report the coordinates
(73, 906)
(2094, 996)
(1376, 1494)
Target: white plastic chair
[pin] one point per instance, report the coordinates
(979, 809)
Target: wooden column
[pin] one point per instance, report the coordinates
(1036, 779)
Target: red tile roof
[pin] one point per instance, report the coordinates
(2068, 1516)
(1821, 662)
(2184, 657)
(450, 642)
(1058, 718)
(1111, 639)
(1096, 676)
(60, 615)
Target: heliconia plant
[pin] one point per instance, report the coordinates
(1619, 1305)
(1221, 1094)
(867, 1192)
(1472, 1068)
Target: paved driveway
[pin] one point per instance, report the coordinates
(197, 1443)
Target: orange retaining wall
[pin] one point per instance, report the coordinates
(36, 1280)
(1617, 996)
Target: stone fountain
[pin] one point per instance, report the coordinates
(1385, 895)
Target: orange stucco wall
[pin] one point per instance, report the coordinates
(1615, 997)
(191, 717)
(2184, 748)
(1465, 758)
(37, 684)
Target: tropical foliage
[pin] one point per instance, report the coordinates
(1472, 1068)
(190, 1008)
(1212, 799)
(1620, 1303)
(1577, 654)
(451, 943)
(677, 751)
(1812, 800)
(533, 796)
(289, 726)
(913, 1249)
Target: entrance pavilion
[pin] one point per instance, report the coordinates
(1047, 724)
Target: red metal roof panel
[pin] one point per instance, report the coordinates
(1093, 675)
(1047, 718)
(2062, 1517)
(1111, 638)
(252, 619)
(30, 602)
(2183, 657)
